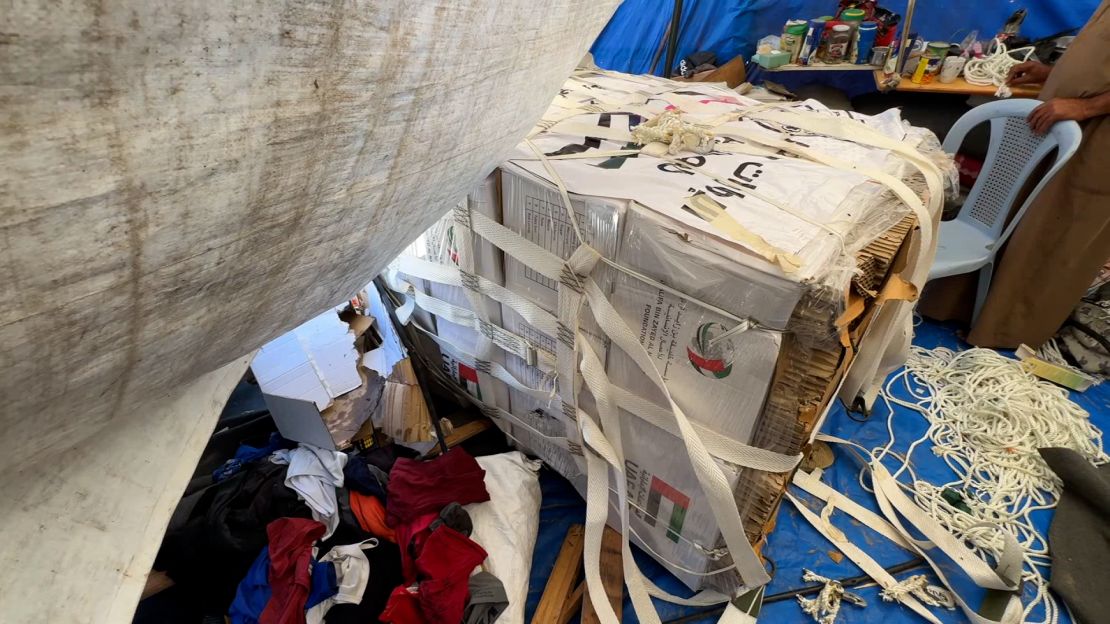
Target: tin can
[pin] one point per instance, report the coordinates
(879, 55)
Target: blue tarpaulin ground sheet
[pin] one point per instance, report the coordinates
(794, 544)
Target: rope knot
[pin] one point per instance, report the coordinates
(668, 127)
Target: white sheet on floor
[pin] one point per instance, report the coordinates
(313, 474)
(507, 525)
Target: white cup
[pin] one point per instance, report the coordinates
(952, 68)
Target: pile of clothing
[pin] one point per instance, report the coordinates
(312, 535)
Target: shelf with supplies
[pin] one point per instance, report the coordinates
(959, 87)
(822, 67)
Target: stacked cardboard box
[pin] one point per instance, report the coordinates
(459, 344)
(735, 270)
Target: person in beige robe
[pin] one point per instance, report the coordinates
(1064, 239)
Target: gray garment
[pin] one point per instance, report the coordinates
(1079, 538)
(487, 599)
(379, 474)
(454, 516)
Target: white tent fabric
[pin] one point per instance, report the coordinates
(180, 184)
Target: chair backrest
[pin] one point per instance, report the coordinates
(1014, 153)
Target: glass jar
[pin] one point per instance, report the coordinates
(839, 40)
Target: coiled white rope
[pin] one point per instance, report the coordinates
(987, 417)
(994, 68)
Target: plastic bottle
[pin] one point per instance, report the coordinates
(865, 40)
(812, 42)
(839, 41)
(793, 36)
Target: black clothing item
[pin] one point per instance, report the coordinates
(384, 456)
(212, 551)
(365, 478)
(385, 574)
(689, 65)
(348, 531)
(1079, 538)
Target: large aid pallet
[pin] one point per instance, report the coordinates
(667, 329)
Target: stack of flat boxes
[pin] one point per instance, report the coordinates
(441, 245)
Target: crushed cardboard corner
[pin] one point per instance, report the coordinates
(405, 415)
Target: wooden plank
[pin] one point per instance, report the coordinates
(959, 87)
(574, 604)
(612, 577)
(461, 434)
(822, 67)
(564, 575)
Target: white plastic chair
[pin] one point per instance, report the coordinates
(970, 241)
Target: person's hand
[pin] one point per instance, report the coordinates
(1029, 72)
(1056, 109)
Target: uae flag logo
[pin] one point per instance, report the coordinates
(468, 379)
(712, 352)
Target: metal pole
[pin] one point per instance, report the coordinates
(659, 50)
(903, 54)
(672, 45)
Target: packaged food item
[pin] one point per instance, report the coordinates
(839, 41)
(812, 43)
(793, 36)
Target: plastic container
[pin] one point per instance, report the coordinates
(908, 58)
(852, 15)
(773, 59)
(793, 37)
(935, 52)
(840, 40)
(865, 40)
(929, 65)
(813, 41)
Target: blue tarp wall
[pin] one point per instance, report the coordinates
(731, 27)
